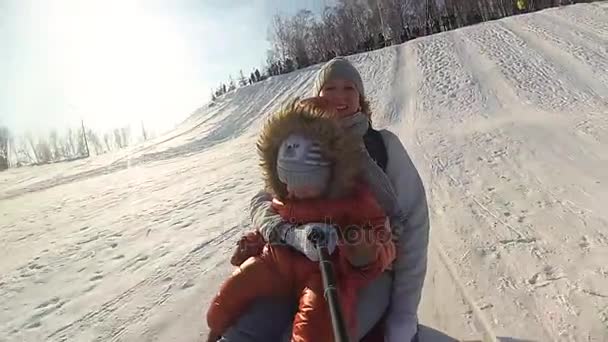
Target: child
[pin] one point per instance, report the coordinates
(311, 168)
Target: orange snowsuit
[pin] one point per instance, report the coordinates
(282, 271)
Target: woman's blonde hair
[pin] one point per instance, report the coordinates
(365, 107)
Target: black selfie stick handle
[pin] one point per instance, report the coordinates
(330, 289)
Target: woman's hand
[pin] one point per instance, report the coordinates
(360, 246)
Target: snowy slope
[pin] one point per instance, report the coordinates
(507, 122)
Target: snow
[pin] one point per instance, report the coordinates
(507, 122)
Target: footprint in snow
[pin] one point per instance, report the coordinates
(90, 288)
(97, 277)
(33, 325)
(49, 302)
(142, 258)
(584, 243)
(35, 266)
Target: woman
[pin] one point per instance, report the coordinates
(393, 298)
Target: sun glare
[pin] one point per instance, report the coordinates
(112, 58)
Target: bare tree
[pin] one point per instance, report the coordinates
(43, 152)
(125, 134)
(4, 148)
(231, 85)
(280, 37)
(81, 147)
(394, 19)
(107, 139)
(300, 26)
(94, 142)
(347, 42)
(118, 138)
(143, 131)
(242, 79)
(23, 153)
(54, 144)
(70, 144)
(83, 143)
(12, 149)
(31, 146)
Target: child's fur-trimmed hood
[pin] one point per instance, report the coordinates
(338, 146)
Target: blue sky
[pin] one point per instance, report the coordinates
(114, 62)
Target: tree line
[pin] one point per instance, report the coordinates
(297, 41)
(355, 26)
(71, 144)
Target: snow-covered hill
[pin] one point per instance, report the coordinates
(507, 122)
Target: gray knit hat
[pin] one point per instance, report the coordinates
(300, 163)
(338, 68)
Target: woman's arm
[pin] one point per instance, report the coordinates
(412, 232)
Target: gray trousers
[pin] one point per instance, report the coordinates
(270, 319)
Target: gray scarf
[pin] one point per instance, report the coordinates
(377, 179)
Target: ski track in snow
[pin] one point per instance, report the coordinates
(507, 122)
(586, 17)
(447, 86)
(534, 77)
(589, 55)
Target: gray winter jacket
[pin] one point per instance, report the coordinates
(413, 237)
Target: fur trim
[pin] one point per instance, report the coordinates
(338, 146)
(365, 107)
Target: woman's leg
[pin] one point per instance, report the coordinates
(373, 302)
(266, 320)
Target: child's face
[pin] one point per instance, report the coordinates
(303, 192)
(342, 96)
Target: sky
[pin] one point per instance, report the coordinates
(118, 62)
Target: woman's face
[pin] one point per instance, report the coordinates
(342, 96)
